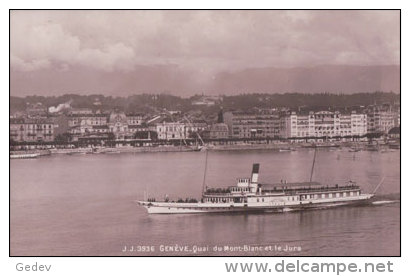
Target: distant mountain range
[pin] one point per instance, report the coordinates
(172, 79)
(318, 79)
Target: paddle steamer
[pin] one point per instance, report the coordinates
(248, 195)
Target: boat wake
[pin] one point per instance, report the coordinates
(380, 202)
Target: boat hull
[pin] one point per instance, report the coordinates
(24, 156)
(193, 208)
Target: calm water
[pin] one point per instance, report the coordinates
(84, 204)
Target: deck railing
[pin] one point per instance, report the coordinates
(314, 189)
(287, 190)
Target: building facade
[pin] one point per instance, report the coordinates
(195, 127)
(31, 130)
(358, 124)
(252, 125)
(219, 131)
(382, 118)
(323, 124)
(118, 124)
(134, 119)
(171, 130)
(86, 124)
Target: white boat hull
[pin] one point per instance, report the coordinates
(24, 156)
(277, 206)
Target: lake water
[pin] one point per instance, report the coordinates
(84, 205)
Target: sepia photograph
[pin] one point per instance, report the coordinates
(205, 133)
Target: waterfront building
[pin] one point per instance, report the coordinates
(134, 119)
(397, 116)
(252, 124)
(219, 131)
(75, 120)
(293, 125)
(171, 130)
(85, 124)
(31, 130)
(358, 124)
(394, 132)
(194, 127)
(143, 131)
(60, 124)
(120, 125)
(327, 124)
(381, 118)
(323, 124)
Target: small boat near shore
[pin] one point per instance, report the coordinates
(286, 149)
(24, 155)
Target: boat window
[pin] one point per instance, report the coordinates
(257, 200)
(263, 200)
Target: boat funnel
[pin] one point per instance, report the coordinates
(255, 173)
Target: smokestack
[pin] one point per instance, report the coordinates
(255, 173)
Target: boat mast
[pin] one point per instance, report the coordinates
(206, 166)
(313, 166)
(378, 185)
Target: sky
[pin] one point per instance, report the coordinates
(52, 47)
